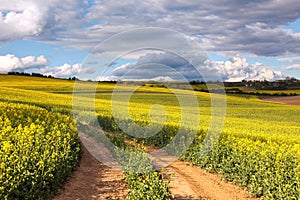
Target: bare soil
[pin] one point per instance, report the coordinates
(292, 100)
(191, 182)
(94, 180)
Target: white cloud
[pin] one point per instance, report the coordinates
(166, 67)
(289, 59)
(237, 69)
(227, 26)
(12, 63)
(66, 70)
(293, 67)
(20, 19)
(31, 18)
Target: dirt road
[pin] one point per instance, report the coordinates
(191, 182)
(94, 180)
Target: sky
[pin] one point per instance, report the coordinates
(241, 39)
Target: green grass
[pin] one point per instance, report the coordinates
(297, 91)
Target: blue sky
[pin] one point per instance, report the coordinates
(295, 26)
(247, 39)
(56, 54)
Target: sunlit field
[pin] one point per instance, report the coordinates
(259, 146)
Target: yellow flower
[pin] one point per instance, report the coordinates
(6, 146)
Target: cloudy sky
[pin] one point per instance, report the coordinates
(246, 39)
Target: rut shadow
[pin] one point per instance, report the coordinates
(179, 197)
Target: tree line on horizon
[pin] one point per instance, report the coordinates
(290, 83)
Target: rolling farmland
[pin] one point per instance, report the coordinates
(259, 146)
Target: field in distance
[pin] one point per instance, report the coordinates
(258, 147)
